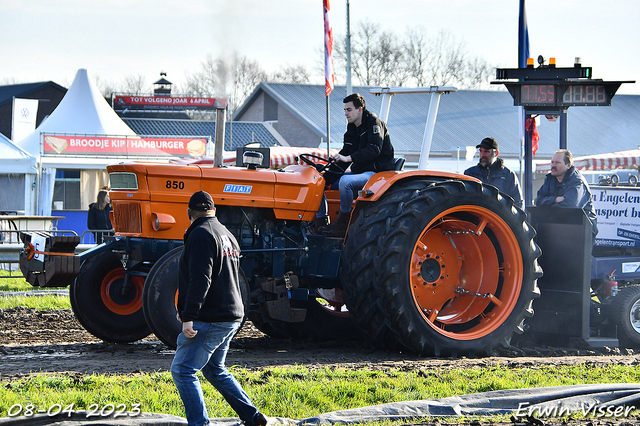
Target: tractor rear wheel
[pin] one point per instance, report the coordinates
(160, 297)
(625, 314)
(455, 266)
(104, 306)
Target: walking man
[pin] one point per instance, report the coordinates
(211, 309)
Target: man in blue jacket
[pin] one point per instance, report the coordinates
(491, 169)
(211, 309)
(565, 186)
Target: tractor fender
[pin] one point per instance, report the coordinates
(381, 182)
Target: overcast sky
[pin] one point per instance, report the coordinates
(50, 40)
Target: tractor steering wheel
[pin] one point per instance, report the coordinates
(321, 169)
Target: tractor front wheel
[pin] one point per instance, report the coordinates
(104, 304)
(160, 297)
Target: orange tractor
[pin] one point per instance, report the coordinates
(434, 262)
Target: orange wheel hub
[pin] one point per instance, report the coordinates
(113, 297)
(466, 272)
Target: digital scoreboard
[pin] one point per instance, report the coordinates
(551, 87)
(563, 95)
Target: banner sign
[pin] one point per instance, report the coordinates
(123, 146)
(618, 215)
(24, 118)
(172, 103)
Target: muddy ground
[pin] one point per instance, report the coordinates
(54, 341)
(34, 341)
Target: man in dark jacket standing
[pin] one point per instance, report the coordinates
(211, 309)
(565, 186)
(491, 169)
(367, 148)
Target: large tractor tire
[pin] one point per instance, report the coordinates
(455, 267)
(101, 304)
(625, 314)
(160, 298)
(358, 274)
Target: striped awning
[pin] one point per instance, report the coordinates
(280, 156)
(609, 161)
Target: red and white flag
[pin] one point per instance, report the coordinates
(329, 75)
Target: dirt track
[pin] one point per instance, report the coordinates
(32, 341)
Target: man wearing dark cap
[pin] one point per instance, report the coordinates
(491, 170)
(211, 309)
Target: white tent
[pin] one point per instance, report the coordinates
(14, 159)
(82, 111)
(18, 171)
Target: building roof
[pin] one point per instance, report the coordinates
(236, 134)
(464, 118)
(7, 93)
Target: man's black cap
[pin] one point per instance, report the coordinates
(488, 143)
(201, 200)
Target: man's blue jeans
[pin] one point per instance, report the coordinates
(207, 351)
(348, 183)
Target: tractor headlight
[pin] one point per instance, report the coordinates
(162, 221)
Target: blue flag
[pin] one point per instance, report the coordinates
(523, 37)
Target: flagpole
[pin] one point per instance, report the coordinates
(328, 130)
(349, 89)
(525, 140)
(329, 75)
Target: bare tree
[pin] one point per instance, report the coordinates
(106, 87)
(236, 77)
(135, 85)
(291, 74)
(418, 52)
(132, 84)
(382, 58)
(389, 57)
(362, 55)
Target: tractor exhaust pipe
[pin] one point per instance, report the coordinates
(218, 142)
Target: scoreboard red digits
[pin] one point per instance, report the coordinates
(538, 94)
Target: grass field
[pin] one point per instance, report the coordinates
(296, 392)
(40, 302)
